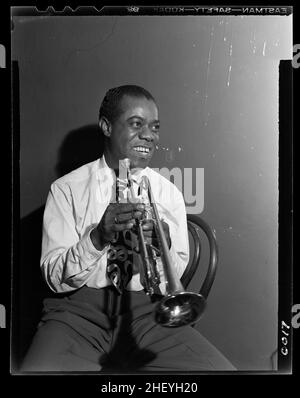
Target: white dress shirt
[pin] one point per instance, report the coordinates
(75, 205)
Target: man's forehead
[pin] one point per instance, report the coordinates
(138, 105)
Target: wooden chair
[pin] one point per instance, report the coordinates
(195, 225)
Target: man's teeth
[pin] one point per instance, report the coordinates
(141, 149)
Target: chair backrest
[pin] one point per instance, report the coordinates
(195, 225)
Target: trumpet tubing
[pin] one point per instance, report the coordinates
(178, 307)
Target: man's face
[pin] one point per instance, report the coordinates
(135, 133)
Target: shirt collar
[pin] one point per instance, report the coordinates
(104, 171)
(137, 174)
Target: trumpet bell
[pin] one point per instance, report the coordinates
(179, 309)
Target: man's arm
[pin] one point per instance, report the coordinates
(66, 261)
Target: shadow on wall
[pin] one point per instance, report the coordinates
(80, 146)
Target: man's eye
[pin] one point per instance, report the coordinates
(155, 128)
(136, 124)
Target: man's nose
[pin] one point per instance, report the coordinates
(147, 134)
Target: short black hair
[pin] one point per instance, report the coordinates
(110, 107)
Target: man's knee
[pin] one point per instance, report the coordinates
(51, 340)
(57, 347)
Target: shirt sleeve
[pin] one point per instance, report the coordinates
(67, 261)
(174, 215)
(179, 250)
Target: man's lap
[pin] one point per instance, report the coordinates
(131, 342)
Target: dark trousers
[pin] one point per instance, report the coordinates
(99, 330)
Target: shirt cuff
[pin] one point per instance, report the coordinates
(179, 266)
(90, 250)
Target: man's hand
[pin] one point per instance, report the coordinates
(150, 233)
(117, 217)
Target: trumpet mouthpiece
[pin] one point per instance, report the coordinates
(126, 162)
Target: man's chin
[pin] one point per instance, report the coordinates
(139, 162)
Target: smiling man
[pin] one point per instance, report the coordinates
(101, 319)
(132, 131)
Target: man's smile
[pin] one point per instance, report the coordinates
(143, 150)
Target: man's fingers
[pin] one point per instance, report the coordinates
(124, 226)
(124, 217)
(149, 234)
(148, 225)
(129, 207)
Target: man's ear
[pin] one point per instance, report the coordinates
(105, 126)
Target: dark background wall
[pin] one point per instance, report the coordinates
(216, 83)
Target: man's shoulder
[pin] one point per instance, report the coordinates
(79, 175)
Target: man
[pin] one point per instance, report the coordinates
(102, 319)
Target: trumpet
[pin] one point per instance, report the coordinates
(177, 307)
